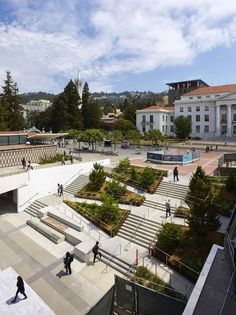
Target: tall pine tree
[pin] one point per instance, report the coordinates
(85, 106)
(10, 105)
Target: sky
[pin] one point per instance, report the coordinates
(117, 45)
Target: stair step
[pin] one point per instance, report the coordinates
(116, 257)
(144, 245)
(145, 229)
(137, 238)
(146, 220)
(138, 233)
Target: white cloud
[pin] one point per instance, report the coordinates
(50, 40)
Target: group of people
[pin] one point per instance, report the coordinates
(26, 165)
(210, 148)
(70, 156)
(60, 190)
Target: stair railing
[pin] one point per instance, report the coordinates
(112, 257)
(27, 201)
(135, 232)
(76, 174)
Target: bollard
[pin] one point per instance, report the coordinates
(136, 257)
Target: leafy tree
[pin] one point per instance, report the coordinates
(115, 189)
(44, 119)
(134, 175)
(203, 212)
(116, 136)
(230, 183)
(60, 113)
(169, 237)
(91, 136)
(183, 127)
(129, 111)
(123, 125)
(148, 177)
(154, 135)
(10, 105)
(123, 166)
(97, 176)
(109, 210)
(134, 136)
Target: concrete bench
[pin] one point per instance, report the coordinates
(66, 220)
(71, 235)
(44, 211)
(45, 230)
(83, 250)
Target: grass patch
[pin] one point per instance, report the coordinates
(128, 197)
(146, 278)
(92, 213)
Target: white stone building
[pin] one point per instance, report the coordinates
(156, 117)
(35, 106)
(212, 111)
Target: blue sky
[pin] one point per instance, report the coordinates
(117, 44)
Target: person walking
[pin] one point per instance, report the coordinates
(168, 208)
(176, 174)
(63, 161)
(23, 161)
(61, 190)
(67, 262)
(71, 159)
(58, 189)
(95, 251)
(20, 289)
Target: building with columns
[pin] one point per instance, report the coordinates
(156, 117)
(212, 111)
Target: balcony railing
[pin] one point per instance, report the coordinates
(147, 122)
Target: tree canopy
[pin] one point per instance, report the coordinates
(183, 127)
(10, 110)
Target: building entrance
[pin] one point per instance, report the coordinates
(8, 202)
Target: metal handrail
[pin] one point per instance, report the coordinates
(76, 174)
(135, 233)
(28, 200)
(160, 285)
(181, 263)
(112, 257)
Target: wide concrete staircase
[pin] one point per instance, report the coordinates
(77, 184)
(154, 205)
(139, 230)
(172, 190)
(34, 208)
(115, 262)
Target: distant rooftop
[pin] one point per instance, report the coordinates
(172, 84)
(213, 89)
(154, 107)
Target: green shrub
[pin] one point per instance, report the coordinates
(123, 166)
(230, 183)
(115, 189)
(148, 177)
(97, 176)
(53, 159)
(170, 237)
(109, 210)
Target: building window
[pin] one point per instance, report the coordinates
(151, 127)
(190, 117)
(189, 109)
(171, 128)
(234, 117)
(151, 118)
(181, 109)
(144, 118)
(197, 108)
(197, 117)
(166, 129)
(223, 118)
(206, 108)
(206, 128)
(198, 129)
(166, 117)
(163, 117)
(208, 96)
(163, 129)
(144, 129)
(199, 97)
(206, 117)
(190, 97)
(172, 118)
(217, 95)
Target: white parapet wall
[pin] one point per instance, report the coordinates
(43, 182)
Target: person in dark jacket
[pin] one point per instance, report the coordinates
(67, 262)
(176, 174)
(20, 289)
(95, 251)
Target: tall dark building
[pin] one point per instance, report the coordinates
(176, 89)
